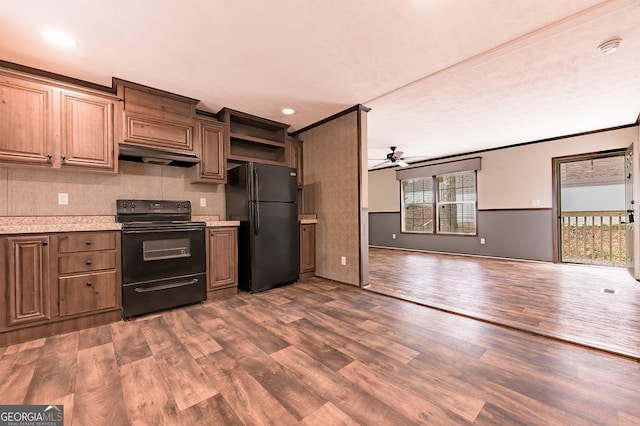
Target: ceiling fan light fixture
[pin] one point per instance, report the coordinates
(288, 111)
(610, 46)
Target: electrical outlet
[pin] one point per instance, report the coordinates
(482, 241)
(203, 202)
(63, 198)
(343, 260)
(393, 236)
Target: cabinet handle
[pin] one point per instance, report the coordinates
(63, 158)
(49, 156)
(44, 243)
(89, 283)
(88, 242)
(88, 262)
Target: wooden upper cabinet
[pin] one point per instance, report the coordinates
(254, 138)
(28, 280)
(47, 123)
(293, 150)
(87, 131)
(211, 139)
(155, 118)
(26, 121)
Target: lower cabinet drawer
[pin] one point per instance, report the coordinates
(86, 293)
(86, 241)
(86, 262)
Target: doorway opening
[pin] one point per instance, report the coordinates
(591, 224)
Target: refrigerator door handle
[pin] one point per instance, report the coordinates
(253, 215)
(256, 204)
(256, 186)
(256, 221)
(252, 185)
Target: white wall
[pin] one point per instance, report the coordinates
(512, 177)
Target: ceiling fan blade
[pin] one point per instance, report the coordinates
(380, 164)
(397, 154)
(401, 163)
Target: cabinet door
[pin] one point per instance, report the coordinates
(223, 258)
(210, 143)
(155, 133)
(26, 121)
(28, 279)
(87, 131)
(307, 248)
(87, 293)
(294, 158)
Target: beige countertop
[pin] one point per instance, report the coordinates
(214, 221)
(47, 224)
(307, 218)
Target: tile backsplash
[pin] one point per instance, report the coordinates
(34, 192)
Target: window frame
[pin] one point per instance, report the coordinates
(438, 203)
(435, 203)
(402, 209)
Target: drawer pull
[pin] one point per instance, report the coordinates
(44, 243)
(89, 283)
(88, 262)
(88, 242)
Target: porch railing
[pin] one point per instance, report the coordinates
(594, 237)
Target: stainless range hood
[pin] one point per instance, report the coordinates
(143, 154)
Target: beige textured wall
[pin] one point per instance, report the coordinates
(34, 192)
(384, 191)
(330, 189)
(512, 177)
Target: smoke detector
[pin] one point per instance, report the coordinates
(609, 46)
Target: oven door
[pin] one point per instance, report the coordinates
(153, 254)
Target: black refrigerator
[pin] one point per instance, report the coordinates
(263, 198)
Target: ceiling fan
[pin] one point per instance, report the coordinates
(394, 157)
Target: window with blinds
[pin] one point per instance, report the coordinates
(456, 203)
(447, 200)
(417, 205)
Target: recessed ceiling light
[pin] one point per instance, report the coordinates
(288, 111)
(59, 38)
(610, 46)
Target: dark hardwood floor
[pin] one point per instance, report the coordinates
(318, 353)
(556, 300)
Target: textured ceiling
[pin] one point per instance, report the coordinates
(441, 76)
